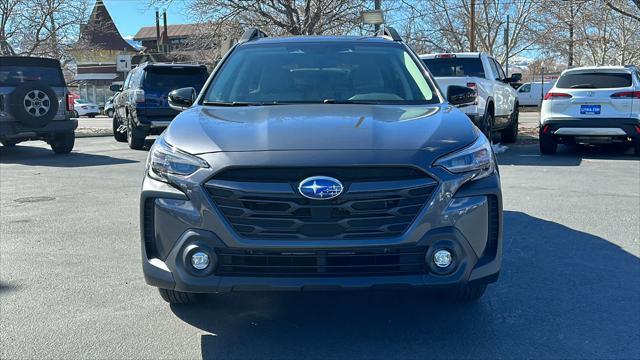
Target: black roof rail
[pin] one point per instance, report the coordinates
(388, 31)
(252, 34)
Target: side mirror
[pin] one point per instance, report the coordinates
(460, 95)
(514, 78)
(182, 99)
(115, 88)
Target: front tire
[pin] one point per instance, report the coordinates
(109, 113)
(510, 134)
(135, 136)
(466, 293)
(62, 143)
(178, 297)
(548, 146)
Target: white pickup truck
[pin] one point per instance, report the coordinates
(496, 108)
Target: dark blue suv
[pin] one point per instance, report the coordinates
(141, 108)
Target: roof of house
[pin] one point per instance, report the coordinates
(101, 32)
(173, 31)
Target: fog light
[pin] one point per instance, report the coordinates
(200, 260)
(442, 258)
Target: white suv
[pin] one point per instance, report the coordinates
(592, 105)
(496, 108)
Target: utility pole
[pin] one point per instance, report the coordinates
(377, 5)
(472, 26)
(506, 45)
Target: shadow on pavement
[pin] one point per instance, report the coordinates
(562, 294)
(39, 156)
(529, 155)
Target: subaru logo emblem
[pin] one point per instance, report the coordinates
(320, 188)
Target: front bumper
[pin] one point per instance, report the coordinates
(17, 130)
(466, 219)
(591, 130)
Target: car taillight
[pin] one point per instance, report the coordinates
(553, 96)
(139, 95)
(638, 129)
(69, 102)
(627, 95)
(445, 56)
(471, 85)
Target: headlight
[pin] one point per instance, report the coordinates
(168, 164)
(476, 158)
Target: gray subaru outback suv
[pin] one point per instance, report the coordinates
(35, 103)
(320, 163)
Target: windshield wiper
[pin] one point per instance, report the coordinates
(230, 103)
(583, 86)
(360, 102)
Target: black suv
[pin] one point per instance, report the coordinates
(142, 108)
(35, 103)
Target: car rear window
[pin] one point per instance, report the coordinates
(455, 67)
(16, 75)
(595, 80)
(169, 78)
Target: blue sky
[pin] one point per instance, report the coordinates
(131, 15)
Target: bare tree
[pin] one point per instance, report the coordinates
(41, 27)
(444, 24)
(295, 17)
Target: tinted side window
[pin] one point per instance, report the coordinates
(127, 81)
(500, 71)
(494, 69)
(594, 80)
(526, 88)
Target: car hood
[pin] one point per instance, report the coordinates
(438, 128)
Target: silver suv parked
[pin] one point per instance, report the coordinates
(320, 163)
(35, 103)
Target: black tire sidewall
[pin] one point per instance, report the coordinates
(487, 125)
(20, 113)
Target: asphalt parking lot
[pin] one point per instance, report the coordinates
(71, 283)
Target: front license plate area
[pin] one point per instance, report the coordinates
(590, 109)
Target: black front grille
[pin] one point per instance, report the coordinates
(344, 174)
(389, 261)
(366, 210)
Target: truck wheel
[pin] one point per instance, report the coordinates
(62, 143)
(548, 146)
(178, 297)
(119, 136)
(466, 293)
(487, 126)
(510, 134)
(135, 136)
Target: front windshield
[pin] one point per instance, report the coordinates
(321, 72)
